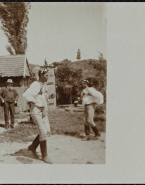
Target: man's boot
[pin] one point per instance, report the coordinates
(34, 145)
(43, 147)
(12, 125)
(6, 123)
(6, 126)
(87, 132)
(97, 134)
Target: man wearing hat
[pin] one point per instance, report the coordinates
(9, 98)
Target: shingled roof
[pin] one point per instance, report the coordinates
(14, 65)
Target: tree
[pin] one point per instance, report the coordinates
(101, 69)
(67, 80)
(56, 64)
(14, 19)
(101, 77)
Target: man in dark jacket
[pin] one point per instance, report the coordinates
(9, 98)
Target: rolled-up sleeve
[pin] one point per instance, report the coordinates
(31, 92)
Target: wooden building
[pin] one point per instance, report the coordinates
(15, 67)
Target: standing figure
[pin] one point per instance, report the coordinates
(90, 97)
(37, 96)
(9, 97)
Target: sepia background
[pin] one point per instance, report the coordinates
(125, 149)
(73, 38)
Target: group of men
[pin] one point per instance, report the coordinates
(38, 98)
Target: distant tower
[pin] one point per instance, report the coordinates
(78, 54)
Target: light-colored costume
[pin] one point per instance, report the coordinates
(37, 95)
(91, 97)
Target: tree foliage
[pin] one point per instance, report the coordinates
(101, 72)
(100, 80)
(14, 19)
(56, 64)
(67, 81)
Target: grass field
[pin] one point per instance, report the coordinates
(61, 122)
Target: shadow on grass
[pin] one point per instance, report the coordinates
(25, 156)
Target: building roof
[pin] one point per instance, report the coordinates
(14, 65)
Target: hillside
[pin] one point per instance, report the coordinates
(87, 69)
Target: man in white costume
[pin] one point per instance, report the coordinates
(90, 97)
(37, 96)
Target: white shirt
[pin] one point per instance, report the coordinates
(91, 95)
(32, 94)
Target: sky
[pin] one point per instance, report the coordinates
(57, 30)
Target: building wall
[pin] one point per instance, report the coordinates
(24, 82)
(51, 88)
(16, 81)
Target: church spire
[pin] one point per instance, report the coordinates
(78, 54)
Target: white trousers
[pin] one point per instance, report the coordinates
(89, 111)
(40, 117)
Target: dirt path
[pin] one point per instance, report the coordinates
(62, 150)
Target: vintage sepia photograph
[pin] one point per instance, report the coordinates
(53, 82)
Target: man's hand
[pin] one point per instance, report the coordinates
(51, 96)
(3, 100)
(15, 103)
(32, 103)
